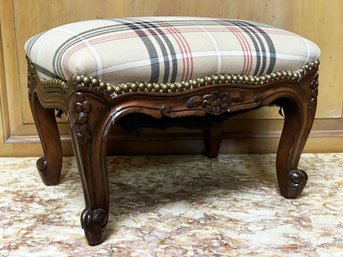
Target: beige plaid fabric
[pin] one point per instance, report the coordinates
(166, 49)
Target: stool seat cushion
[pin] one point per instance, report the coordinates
(166, 49)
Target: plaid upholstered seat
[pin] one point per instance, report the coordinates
(159, 72)
(166, 49)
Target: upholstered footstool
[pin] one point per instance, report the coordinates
(100, 72)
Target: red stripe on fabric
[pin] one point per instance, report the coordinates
(182, 48)
(183, 44)
(95, 41)
(249, 56)
(189, 57)
(248, 52)
(241, 42)
(188, 30)
(219, 29)
(183, 41)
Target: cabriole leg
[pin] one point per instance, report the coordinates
(50, 165)
(87, 120)
(299, 117)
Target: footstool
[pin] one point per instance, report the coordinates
(100, 71)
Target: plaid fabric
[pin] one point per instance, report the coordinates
(166, 49)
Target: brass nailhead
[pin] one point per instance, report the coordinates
(95, 82)
(118, 90)
(173, 87)
(126, 87)
(86, 81)
(110, 89)
(141, 86)
(102, 85)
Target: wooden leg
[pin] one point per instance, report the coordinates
(87, 121)
(299, 116)
(50, 165)
(212, 139)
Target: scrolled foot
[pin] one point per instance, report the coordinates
(49, 178)
(42, 164)
(94, 223)
(297, 180)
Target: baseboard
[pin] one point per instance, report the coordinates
(182, 143)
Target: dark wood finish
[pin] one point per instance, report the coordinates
(50, 165)
(88, 119)
(91, 112)
(299, 109)
(212, 139)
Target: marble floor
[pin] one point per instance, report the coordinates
(177, 206)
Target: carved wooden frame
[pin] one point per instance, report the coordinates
(91, 111)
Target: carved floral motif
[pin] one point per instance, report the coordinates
(81, 108)
(216, 102)
(314, 88)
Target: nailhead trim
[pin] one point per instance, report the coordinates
(123, 88)
(48, 83)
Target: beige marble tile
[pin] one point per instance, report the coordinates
(177, 206)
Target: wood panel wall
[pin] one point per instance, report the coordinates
(257, 132)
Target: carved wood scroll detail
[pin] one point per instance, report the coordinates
(297, 178)
(94, 219)
(81, 109)
(165, 109)
(314, 90)
(216, 102)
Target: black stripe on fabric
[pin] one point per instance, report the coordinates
(57, 64)
(270, 44)
(46, 72)
(165, 55)
(259, 48)
(32, 42)
(172, 55)
(155, 65)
